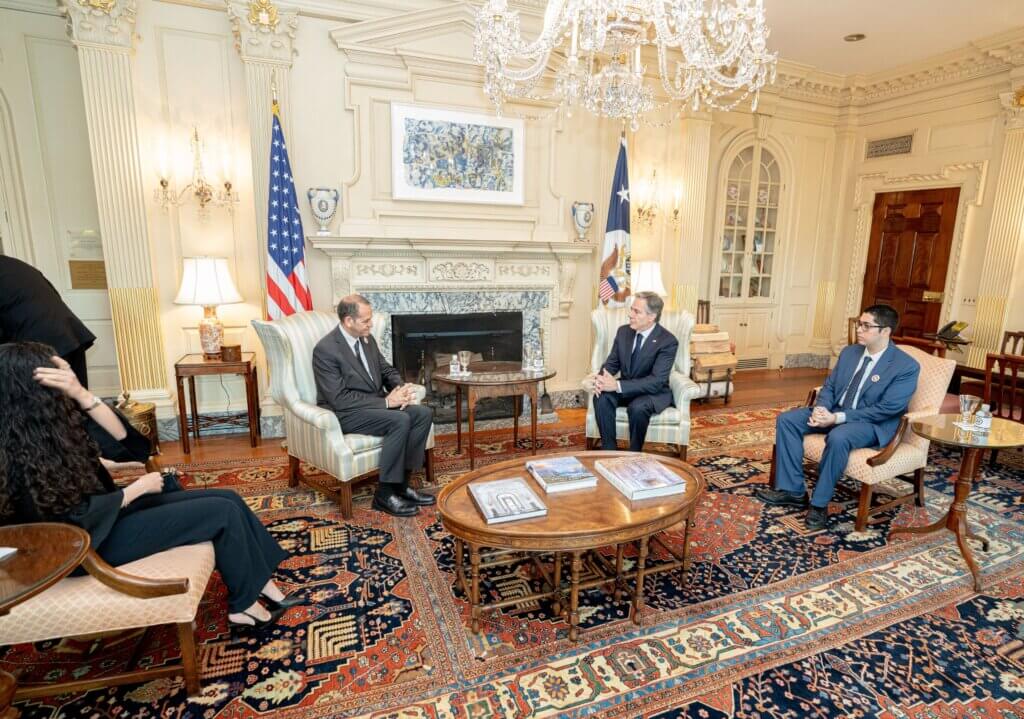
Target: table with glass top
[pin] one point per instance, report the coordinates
(942, 429)
(494, 379)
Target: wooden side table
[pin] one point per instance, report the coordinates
(195, 365)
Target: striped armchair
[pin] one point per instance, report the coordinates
(671, 426)
(313, 433)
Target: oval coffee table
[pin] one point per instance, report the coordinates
(942, 430)
(577, 521)
(494, 379)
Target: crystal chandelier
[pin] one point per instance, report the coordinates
(710, 53)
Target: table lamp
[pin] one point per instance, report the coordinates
(647, 278)
(206, 281)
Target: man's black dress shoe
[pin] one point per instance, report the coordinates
(780, 497)
(292, 600)
(817, 518)
(394, 504)
(420, 498)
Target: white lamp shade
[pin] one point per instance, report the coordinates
(206, 281)
(647, 278)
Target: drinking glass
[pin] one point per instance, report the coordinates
(528, 354)
(464, 357)
(538, 361)
(969, 404)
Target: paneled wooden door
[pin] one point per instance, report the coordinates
(908, 255)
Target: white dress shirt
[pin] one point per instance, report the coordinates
(352, 341)
(841, 416)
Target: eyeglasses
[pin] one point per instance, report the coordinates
(867, 326)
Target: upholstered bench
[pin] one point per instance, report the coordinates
(164, 588)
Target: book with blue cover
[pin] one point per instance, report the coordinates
(560, 474)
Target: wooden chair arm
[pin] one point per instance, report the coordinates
(141, 587)
(811, 397)
(890, 449)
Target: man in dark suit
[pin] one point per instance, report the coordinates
(642, 355)
(31, 309)
(860, 405)
(367, 394)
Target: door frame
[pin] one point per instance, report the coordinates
(968, 176)
(12, 196)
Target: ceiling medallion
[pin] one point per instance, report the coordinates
(262, 13)
(710, 54)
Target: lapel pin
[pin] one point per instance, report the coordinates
(875, 378)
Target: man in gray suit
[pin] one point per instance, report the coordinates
(367, 394)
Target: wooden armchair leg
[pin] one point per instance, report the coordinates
(864, 507)
(682, 452)
(429, 467)
(771, 471)
(294, 473)
(992, 458)
(187, 641)
(345, 499)
(919, 486)
(591, 443)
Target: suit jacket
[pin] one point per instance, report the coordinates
(31, 309)
(653, 366)
(341, 381)
(885, 395)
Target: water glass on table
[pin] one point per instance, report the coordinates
(969, 404)
(464, 357)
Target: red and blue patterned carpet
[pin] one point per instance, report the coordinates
(770, 621)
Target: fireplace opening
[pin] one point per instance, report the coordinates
(423, 342)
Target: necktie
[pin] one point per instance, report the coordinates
(636, 352)
(851, 389)
(362, 359)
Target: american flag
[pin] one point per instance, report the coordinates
(614, 286)
(287, 290)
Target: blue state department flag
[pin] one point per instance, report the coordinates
(287, 290)
(613, 288)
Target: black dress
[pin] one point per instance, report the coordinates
(246, 554)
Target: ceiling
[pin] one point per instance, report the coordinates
(898, 31)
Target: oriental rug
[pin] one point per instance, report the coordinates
(770, 621)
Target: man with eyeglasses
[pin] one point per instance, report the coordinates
(860, 405)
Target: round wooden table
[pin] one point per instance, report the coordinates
(47, 552)
(941, 429)
(577, 521)
(494, 379)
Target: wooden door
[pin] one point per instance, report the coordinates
(908, 255)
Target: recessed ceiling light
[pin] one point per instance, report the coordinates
(855, 37)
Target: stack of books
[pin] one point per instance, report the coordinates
(640, 477)
(560, 474)
(506, 500)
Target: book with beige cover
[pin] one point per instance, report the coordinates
(640, 477)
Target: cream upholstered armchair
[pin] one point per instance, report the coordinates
(906, 454)
(163, 588)
(313, 433)
(671, 426)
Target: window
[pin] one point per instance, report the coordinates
(749, 240)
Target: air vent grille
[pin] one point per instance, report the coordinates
(901, 145)
(752, 363)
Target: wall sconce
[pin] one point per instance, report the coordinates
(647, 208)
(200, 188)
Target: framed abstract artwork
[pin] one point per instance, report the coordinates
(449, 156)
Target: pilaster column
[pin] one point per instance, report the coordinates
(103, 33)
(264, 39)
(695, 133)
(1004, 238)
(825, 311)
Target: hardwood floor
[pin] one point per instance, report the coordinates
(755, 387)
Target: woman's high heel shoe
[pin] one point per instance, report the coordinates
(257, 623)
(292, 600)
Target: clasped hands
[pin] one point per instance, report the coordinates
(604, 382)
(400, 396)
(821, 417)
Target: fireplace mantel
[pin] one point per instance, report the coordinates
(365, 264)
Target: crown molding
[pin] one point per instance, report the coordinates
(389, 32)
(40, 7)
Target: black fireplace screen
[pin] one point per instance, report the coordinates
(421, 343)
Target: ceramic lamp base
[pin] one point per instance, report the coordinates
(211, 333)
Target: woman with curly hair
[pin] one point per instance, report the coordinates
(50, 471)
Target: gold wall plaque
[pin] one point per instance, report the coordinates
(88, 274)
